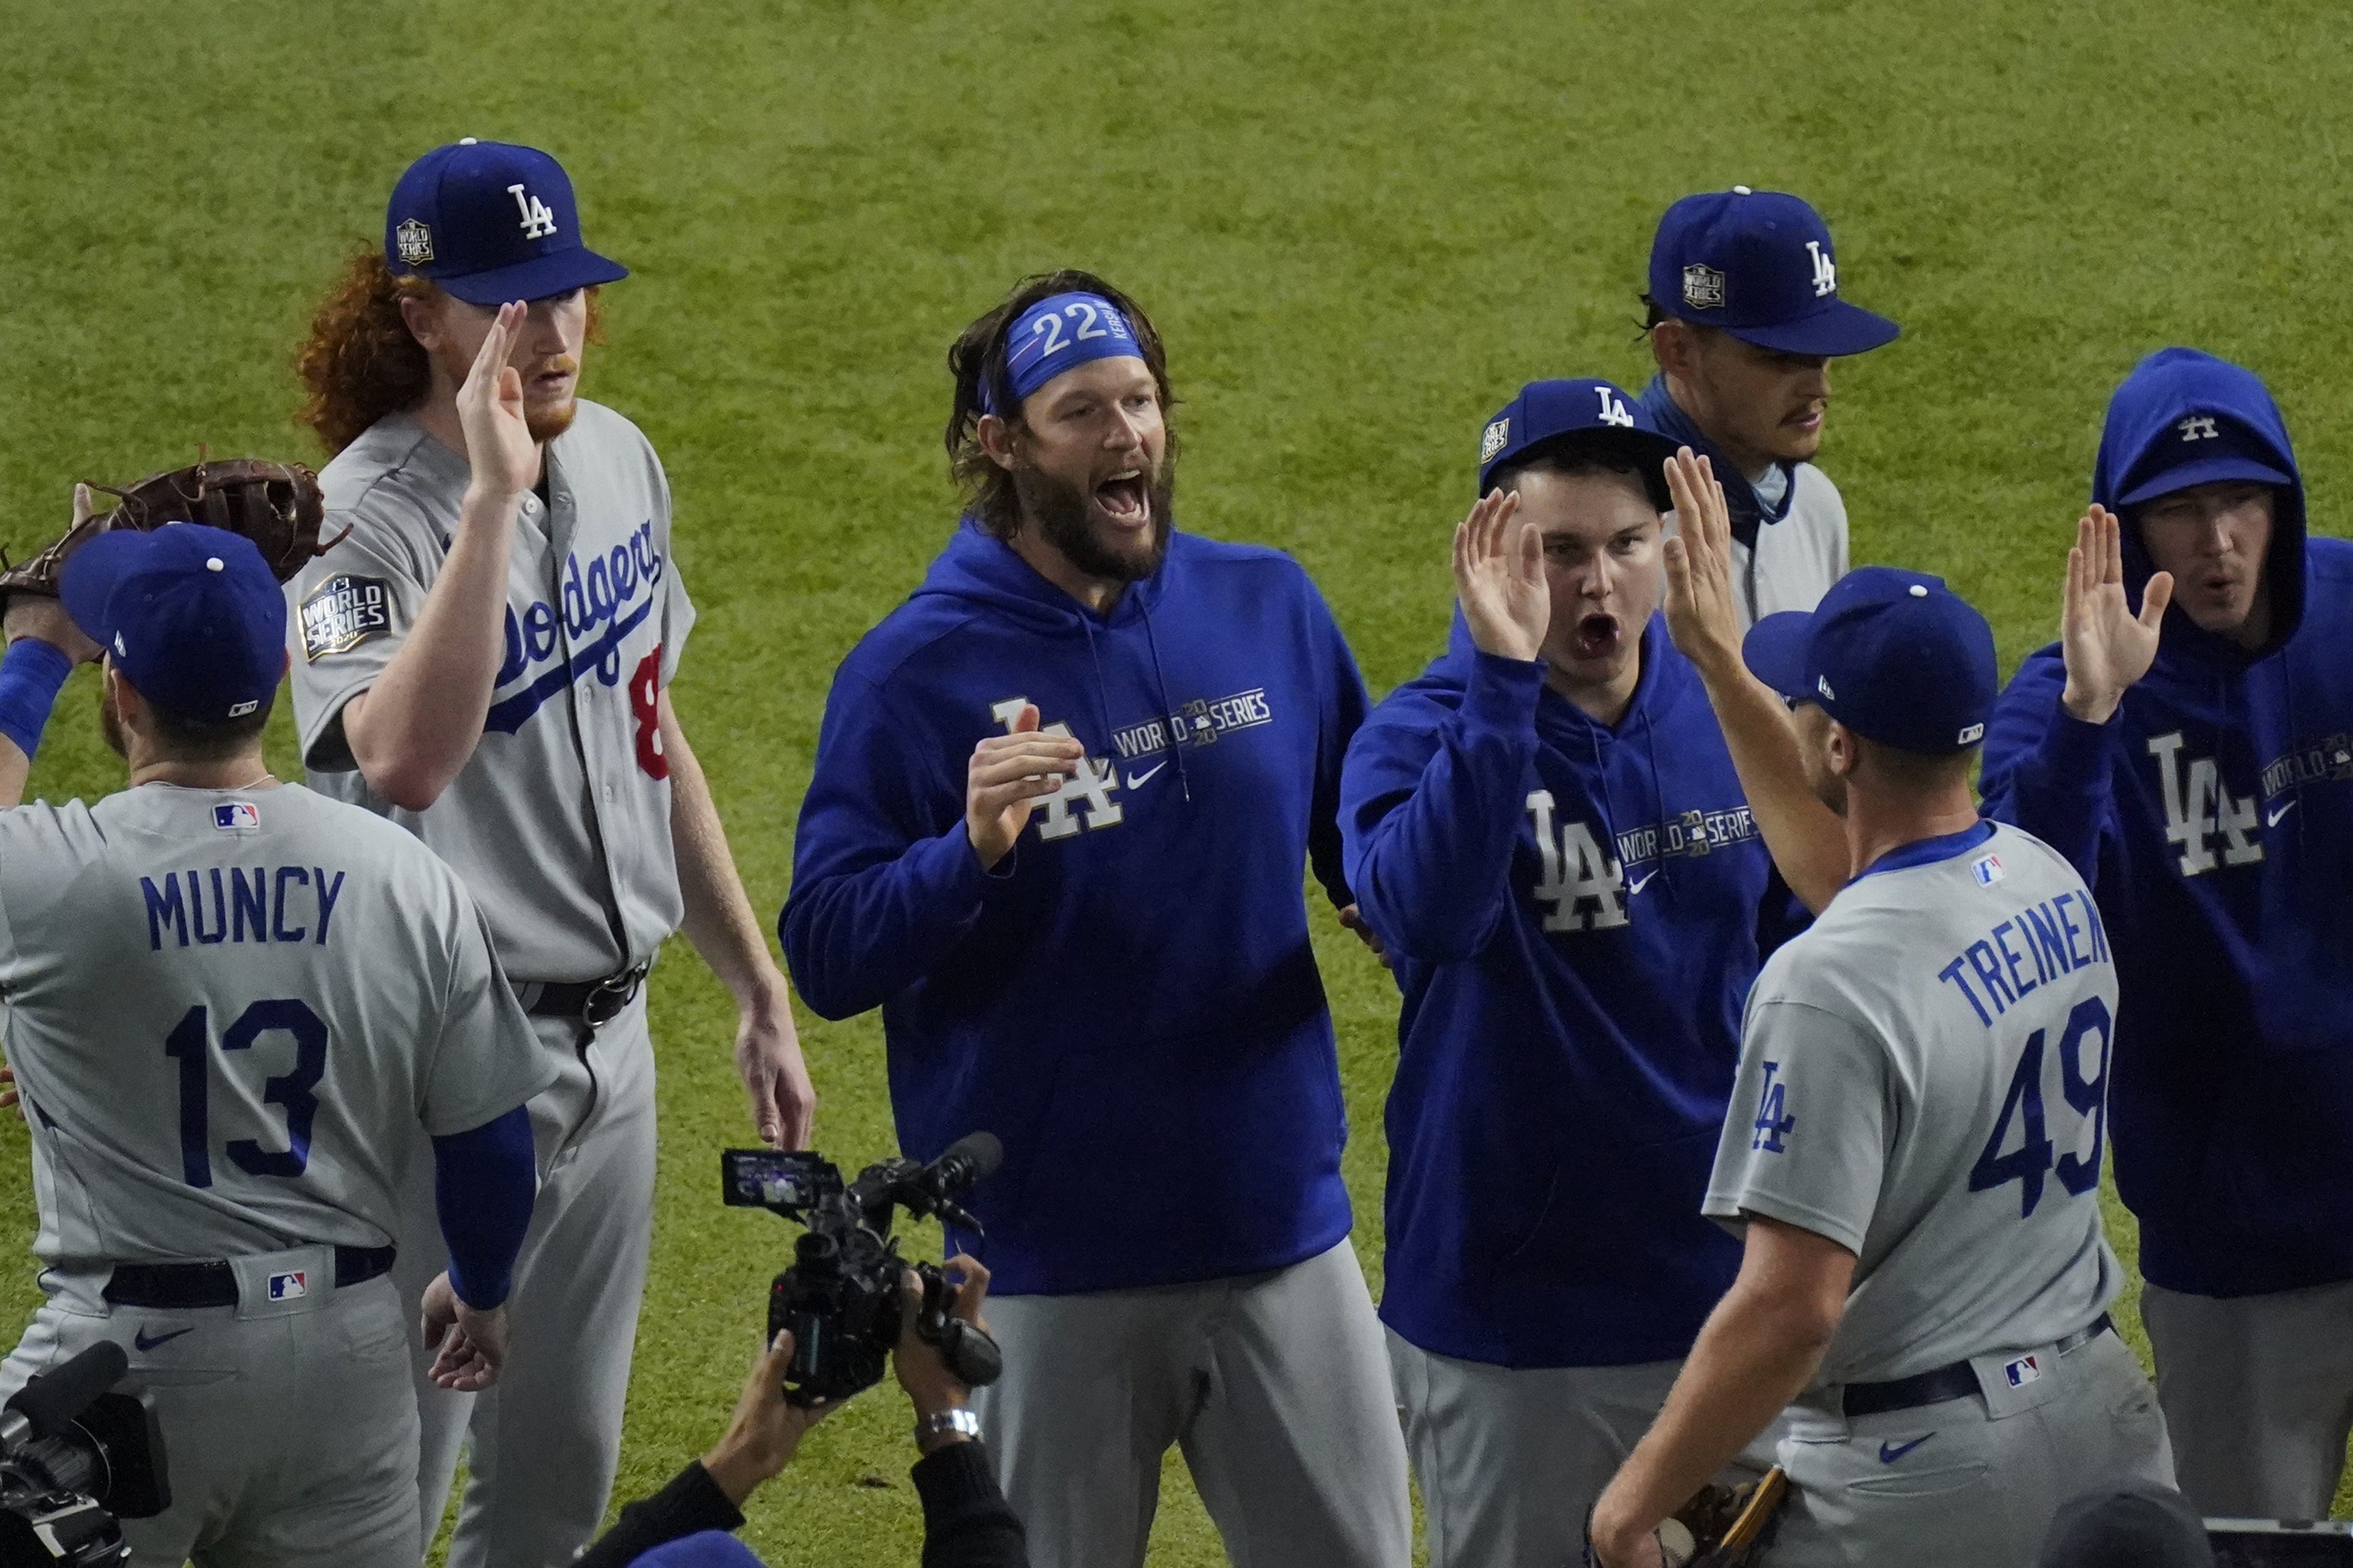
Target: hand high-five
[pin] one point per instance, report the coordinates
(1008, 775)
(2108, 648)
(499, 448)
(1499, 578)
(1702, 617)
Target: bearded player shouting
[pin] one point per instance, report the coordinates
(1062, 802)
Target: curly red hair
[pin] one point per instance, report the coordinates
(360, 360)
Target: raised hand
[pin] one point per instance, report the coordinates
(2108, 648)
(499, 448)
(1499, 578)
(1006, 776)
(1703, 615)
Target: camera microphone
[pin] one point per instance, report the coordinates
(970, 1158)
(48, 1404)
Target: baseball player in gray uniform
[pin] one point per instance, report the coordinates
(1745, 318)
(230, 1002)
(1913, 1149)
(485, 658)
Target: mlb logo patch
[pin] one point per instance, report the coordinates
(1491, 441)
(2026, 1368)
(293, 1286)
(1987, 871)
(236, 816)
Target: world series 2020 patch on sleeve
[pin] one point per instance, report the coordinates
(343, 612)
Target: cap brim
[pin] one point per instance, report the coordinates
(2205, 471)
(1841, 330)
(1775, 652)
(536, 279)
(94, 571)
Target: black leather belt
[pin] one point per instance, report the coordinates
(1958, 1381)
(592, 1003)
(162, 1286)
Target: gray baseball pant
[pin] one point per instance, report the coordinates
(1970, 1482)
(543, 1442)
(1511, 1459)
(1275, 1386)
(2258, 1393)
(289, 1433)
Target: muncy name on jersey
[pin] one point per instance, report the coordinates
(218, 904)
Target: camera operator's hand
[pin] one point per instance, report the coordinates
(921, 1370)
(767, 1426)
(469, 1344)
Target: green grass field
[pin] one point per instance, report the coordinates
(1361, 225)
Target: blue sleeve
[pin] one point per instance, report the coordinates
(2048, 771)
(1428, 815)
(1344, 707)
(886, 881)
(483, 1186)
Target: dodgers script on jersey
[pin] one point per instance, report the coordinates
(1923, 1080)
(560, 823)
(216, 1002)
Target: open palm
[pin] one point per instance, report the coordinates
(1499, 578)
(2108, 648)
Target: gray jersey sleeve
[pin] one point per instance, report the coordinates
(487, 1059)
(349, 614)
(1805, 1138)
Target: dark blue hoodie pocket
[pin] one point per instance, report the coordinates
(1620, 1215)
(1214, 1153)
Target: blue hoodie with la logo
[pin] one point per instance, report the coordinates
(2212, 816)
(1129, 999)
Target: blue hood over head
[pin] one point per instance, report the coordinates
(2181, 410)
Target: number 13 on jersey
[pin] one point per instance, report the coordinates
(190, 1044)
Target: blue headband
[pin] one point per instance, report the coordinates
(1056, 333)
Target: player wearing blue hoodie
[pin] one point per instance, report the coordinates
(2195, 761)
(1546, 830)
(1062, 800)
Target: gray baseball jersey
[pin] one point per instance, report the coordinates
(1797, 559)
(228, 1012)
(560, 822)
(1923, 1080)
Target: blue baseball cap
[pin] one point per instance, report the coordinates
(2212, 448)
(490, 222)
(1895, 655)
(1580, 413)
(1758, 265)
(703, 1548)
(190, 614)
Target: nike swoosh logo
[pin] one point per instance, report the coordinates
(1634, 888)
(1888, 1454)
(1137, 780)
(2270, 818)
(146, 1343)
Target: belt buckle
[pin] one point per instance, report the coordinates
(608, 996)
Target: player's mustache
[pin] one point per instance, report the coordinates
(559, 364)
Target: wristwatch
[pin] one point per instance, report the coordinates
(963, 1423)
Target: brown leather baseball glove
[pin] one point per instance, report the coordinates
(1731, 1526)
(276, 505)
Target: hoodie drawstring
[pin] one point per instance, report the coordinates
(1103, 699)
(1176, 736)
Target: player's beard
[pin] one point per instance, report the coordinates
(110, 724)
(543, 421)
(1065, 516)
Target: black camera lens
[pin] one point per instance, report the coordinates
(817, 1254)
